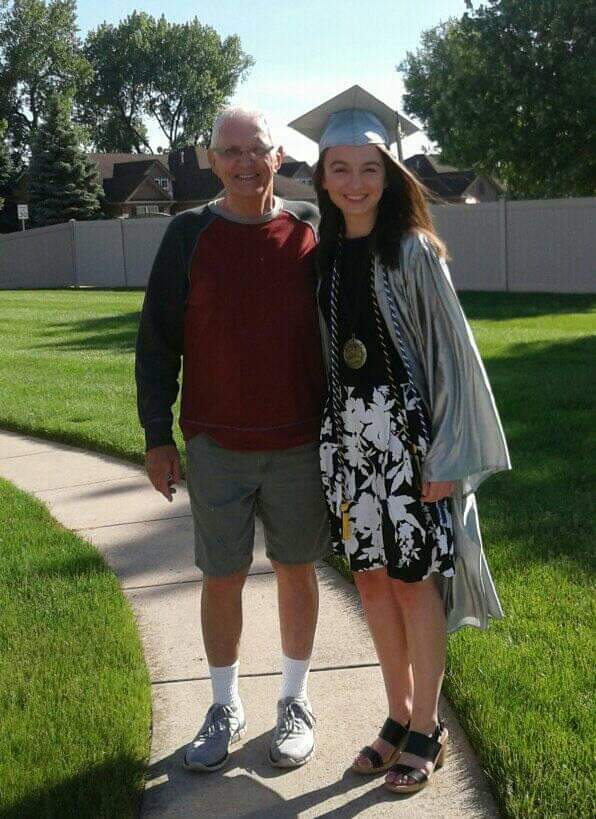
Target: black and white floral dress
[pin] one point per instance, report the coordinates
(389, 525)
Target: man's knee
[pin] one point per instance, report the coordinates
(297, 573)
(228, 584)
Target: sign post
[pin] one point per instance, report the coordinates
(23, 214)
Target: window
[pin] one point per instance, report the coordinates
(144, 210)
(163, 182)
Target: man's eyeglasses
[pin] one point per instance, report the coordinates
(257, 152)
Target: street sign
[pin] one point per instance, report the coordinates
(23, 214)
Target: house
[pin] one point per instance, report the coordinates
(451, 184)
(294, 169)
(135, 184)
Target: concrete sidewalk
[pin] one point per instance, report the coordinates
(148, 544)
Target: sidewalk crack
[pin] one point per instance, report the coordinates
(269, 673)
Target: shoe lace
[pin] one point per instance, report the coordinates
(294, 716)
(219, 718)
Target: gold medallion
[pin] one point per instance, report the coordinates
(354, 353)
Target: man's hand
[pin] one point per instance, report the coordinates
(163, 467)
(436, 490)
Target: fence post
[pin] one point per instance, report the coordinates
(504, 227)
(123, 252)
(73, 251)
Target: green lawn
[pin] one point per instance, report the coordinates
(523, 690)
(74, 690)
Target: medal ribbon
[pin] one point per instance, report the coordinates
(335, 391)
(336, 381)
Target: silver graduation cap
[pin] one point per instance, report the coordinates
(353, 117)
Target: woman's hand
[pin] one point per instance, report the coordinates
(436, 490)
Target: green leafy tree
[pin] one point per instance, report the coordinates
(40, 55)
(63, 182)
(179, 75)
(114, 101)
(194, 73)
(509, 90)
(6, 165)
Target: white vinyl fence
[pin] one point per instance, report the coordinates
(534, 246)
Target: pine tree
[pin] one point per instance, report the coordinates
(63, 182)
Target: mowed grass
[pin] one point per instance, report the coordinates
(74, 691)
(67, 367)
(524, 689)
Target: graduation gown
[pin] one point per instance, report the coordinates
(467, 440)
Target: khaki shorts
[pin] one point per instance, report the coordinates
(228, 488)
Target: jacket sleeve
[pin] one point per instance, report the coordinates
(160, 338)
(467, 440)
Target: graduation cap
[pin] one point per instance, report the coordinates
(353, 117)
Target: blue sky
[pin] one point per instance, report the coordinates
(304, 52)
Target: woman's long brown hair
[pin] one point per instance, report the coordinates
(402, 208)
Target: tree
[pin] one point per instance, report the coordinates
(508, 89)
(194, 73)
(114, 101)
(6, 165)
(180, 75)
(39, 56)
(63, 182)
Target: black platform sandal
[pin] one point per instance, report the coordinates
(391, 732)
(426, 747)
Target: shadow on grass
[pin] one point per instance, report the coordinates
(113, 789)
(85, 441)
(506, 306)
(117, 333)
(79, 567)
(545, 396)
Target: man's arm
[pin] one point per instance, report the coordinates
(160, 339)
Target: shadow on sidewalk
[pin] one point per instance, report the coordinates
(245, 789)
(238, 789)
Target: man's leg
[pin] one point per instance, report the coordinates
(294, 516)
(298, 602)
(221, 617)
(222, 485)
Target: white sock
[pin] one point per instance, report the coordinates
(294, 678)
(224, 683)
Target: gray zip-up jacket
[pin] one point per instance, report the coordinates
(467, 440)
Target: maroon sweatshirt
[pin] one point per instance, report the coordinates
(253, 374)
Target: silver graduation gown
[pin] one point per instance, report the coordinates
(467, 440)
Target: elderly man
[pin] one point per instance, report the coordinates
(231, 294)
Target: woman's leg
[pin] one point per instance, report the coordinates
(424, 623)
(386, 626)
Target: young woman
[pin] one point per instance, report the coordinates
(410, 430)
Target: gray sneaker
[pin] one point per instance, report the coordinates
(209, 749)
(293, 741)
